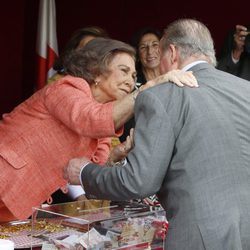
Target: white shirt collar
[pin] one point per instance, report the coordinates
(190, 65)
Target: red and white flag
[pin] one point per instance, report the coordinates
(46, 47)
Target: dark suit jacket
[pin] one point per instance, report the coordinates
(192, 147)
(240, 69)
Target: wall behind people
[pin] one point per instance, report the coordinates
(121, 19)
(17, 52)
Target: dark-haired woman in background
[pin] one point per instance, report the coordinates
(146, 42)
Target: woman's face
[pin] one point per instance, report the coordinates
(120, 81)
(149, 52)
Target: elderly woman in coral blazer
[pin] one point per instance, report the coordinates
(73, 117)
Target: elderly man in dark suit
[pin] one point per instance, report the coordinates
(192, 148)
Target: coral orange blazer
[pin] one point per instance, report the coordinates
(40, 136)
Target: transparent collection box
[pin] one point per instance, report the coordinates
(91, 225)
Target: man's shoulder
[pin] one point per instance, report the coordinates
(164, 94)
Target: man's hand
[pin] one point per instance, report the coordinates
(120, 151)
(73, 169)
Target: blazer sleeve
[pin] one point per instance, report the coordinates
(76, 108)
(102, 152)
(147, 162)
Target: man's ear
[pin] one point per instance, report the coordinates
(173, 54)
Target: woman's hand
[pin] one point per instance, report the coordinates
(179, 77)
(120, 151)
(73, 169)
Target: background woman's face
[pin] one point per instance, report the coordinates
(149, 52)
(120, 80)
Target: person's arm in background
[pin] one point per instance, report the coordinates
(239, 42)
(232, 50)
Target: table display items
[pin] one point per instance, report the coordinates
(124, 226)
(89, 225)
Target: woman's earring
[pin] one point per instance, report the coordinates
(96, 82)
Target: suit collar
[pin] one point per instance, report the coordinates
(200, 66)
(190, 65)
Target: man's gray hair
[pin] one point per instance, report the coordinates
(191, 37)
